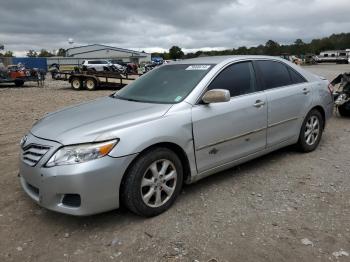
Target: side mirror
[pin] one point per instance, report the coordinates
(216, 96)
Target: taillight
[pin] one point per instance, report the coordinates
(331, 88)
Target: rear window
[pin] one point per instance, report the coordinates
(274, 74)
(296, 77)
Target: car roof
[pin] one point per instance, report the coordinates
(225, 58)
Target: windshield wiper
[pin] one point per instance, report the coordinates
(123, 98)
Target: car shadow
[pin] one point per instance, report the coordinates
(26, 85)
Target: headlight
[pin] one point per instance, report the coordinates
(81, 153)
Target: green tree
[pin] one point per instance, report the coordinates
(175, 52)
(44, 53)
(242, 50)
(299, 42)
(298, 48)
(272, 48)
(32, 53)
(156, 54)
(8, 54)
(61, 52)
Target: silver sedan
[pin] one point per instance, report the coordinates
(176, 124)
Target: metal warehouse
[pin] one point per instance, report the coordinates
(108, 52)
(76, 55)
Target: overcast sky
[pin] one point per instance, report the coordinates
(156, 25)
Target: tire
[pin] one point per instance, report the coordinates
(311, 131)
(76, 83)
(19, 83)
(344, 110)
(145, 179)
(90, 84)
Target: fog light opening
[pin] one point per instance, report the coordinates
(71, 200)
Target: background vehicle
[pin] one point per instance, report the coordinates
(180, 122)
(310, 59)
(342, 95)
(119, 65)
(18, 74)
(97, 65)
(336, 56)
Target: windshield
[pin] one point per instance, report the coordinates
(168, 84)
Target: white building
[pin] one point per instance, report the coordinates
(97, 51)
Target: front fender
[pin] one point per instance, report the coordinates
(174, 127)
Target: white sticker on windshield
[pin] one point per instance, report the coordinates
(198, 67)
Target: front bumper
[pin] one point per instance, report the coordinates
(96, 183)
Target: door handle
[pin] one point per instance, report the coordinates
(306, 91)
(259, 103)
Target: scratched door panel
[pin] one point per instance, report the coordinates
(227, 131)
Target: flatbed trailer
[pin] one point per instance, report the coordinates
(92, 80)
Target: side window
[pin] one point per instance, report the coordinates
(296, 78)
(238, 78)
(274, 74)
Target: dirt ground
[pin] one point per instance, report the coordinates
(285, 206)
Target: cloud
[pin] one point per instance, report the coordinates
(158, 24)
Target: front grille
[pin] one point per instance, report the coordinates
(33, 153)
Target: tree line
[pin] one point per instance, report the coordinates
(33, 53)
(271, 47)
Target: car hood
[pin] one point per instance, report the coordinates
(97, 120)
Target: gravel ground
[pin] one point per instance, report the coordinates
(285, 206)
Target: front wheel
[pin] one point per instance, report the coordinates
(19, 82)
(153, 182)
(311, 131)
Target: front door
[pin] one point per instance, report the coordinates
(227, 131)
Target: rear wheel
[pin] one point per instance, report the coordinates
(90, 84)
(311, 131)
(153, 182)
(76, 83)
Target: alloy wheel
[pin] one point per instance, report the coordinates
(158, 183)
(312, 130)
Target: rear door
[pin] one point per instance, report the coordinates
(288, 97)
(227, 131)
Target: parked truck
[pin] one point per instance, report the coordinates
(18, 74)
